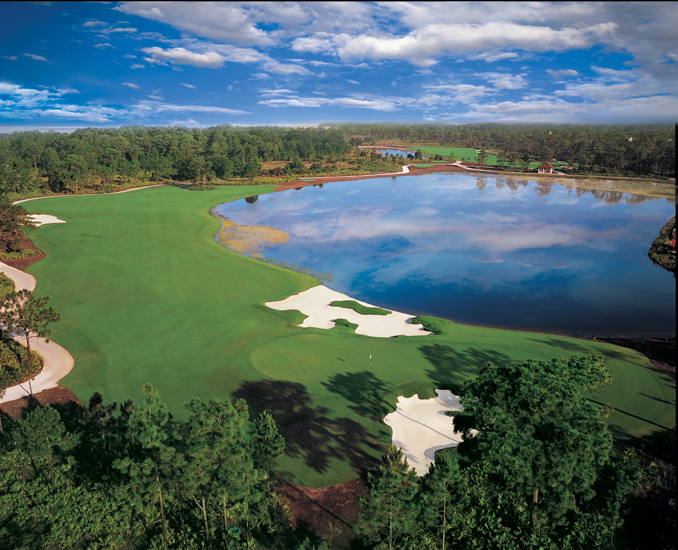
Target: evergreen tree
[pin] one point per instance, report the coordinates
(152, 462)
(267, 443)
(25, 312)
(388, 516)
(214, 446)
(540, 441)
(443, 498)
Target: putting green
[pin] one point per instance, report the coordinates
(146, 295)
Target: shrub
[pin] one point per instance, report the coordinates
(19, 254)
(6, 286)
(344, 323)
(13, 369)
(359, 308)
(432, 324)
(201, 187)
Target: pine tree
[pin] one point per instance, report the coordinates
(388, 516)
(213, 448)
(442, 497)
(267, 443)
(152, 461)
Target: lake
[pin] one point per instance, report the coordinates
(481, 249)
(398, 152)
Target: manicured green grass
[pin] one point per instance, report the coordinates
(359, 308)
(146, 295)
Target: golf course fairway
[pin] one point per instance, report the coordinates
(147, 296)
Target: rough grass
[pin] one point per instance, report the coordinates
(344, 323)
(147, 295)
(432, 324)
(359, 308)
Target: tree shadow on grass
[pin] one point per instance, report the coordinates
(574, 348)
(363, 389)
(452, 367)
(309, 432)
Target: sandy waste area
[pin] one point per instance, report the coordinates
(421, 427)
(58, 362)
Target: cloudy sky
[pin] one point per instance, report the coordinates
(65, 65)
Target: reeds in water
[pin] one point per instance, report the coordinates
(248, 239)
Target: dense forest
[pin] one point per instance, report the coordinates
(33, 162)
(536, 470)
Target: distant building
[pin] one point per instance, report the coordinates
(545, 168)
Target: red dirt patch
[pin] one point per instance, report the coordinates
(59, 397)
(330, 512)
(23, 263)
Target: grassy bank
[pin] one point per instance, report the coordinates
(147, 295)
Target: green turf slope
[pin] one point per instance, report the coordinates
(146, 295)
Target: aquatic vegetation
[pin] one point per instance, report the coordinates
(248, 239)
(323, 276)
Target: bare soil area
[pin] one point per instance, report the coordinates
(23, 263)
(59, 397)
(329, 512)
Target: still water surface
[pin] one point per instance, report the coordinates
(482, 250)
(398, 152)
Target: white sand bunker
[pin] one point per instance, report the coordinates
(315, 302)
(421, 427)
(58, 362)
(44, 219)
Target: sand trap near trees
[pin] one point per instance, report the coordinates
(44, 219)
(58, 362)
(421, 427)
(315, 302)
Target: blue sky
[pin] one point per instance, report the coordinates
(66, 65)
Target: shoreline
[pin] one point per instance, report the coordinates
(459, 167)
(407, 170)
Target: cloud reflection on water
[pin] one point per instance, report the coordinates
(464, 237)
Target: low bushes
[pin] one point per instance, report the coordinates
(13, 368)
(432, 324)
(19, 254)
(345, 323)
(201, 187)
(6, 286)
(359, 308)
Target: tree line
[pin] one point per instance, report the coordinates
(632, 150)
(535, 470)
(140, 478)
(34, 161)
(67, 162)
